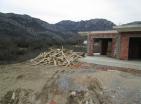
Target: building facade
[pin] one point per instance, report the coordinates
(124, 42)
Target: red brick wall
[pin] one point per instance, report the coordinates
(124, 47)
(90, 45)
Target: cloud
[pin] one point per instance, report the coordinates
(118, 11)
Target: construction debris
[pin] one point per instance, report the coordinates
(57, 57)
(17, 96)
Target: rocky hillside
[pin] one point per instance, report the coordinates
(20, 34)
(15, 26)
(89, 25)
(26, 27)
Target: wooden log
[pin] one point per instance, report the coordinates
(57, 57)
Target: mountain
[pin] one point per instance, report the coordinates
(20, 34)
(24, 26)
(88, 25)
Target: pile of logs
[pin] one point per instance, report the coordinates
(57, 57)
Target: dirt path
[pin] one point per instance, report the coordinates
(81, 84)
(25, 75)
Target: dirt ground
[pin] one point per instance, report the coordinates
(24, 83)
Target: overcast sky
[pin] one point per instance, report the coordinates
(52, 11)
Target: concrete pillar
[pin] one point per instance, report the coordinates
(124, 47)
(90, 45)
(113, 47)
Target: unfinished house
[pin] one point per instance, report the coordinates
(124, 42)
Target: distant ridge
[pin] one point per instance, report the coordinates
(88, 25)
(27, 27)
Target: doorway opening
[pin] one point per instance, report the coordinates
(106, 46)
(135, 48)
(103, 46)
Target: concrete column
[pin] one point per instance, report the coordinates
(124, 47)
(113, 47)
(90, 45)
(100, 43)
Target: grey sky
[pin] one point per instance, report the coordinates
(52, 11)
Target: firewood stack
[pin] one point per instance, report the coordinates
(57, 57)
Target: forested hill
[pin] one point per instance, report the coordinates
(22, 33)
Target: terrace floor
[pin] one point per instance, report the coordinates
(103, 60)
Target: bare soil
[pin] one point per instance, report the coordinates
(24, 83)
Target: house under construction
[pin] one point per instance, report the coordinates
(124, 42)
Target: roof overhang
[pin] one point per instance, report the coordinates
(128, 28)
(104, 32)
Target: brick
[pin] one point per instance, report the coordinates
(90, 45)
(124, 47)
